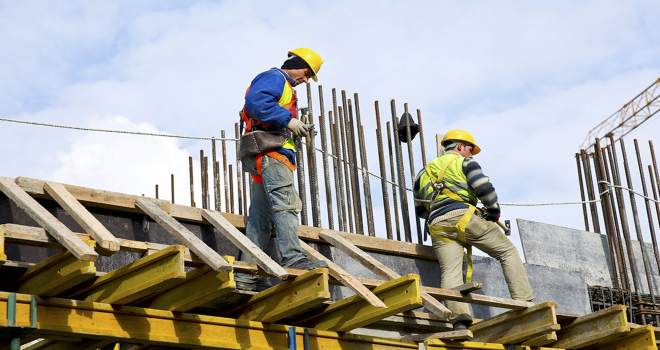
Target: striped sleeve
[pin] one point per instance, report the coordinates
(482, 186)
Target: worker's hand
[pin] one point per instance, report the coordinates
(297, 127)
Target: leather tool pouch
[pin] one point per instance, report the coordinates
(260, 141)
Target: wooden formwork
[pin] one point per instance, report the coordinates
(184, 295)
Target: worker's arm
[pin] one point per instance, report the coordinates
(481, 185)
(261, 99)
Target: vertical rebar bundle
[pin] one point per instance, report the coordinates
(311, 162)
(192, 188)
(216, 177)
(365, 170)
(394, 197)
(326, 170)
(239, 173)
(412, 165)
(224, 170)
(402, 176)
(383, 174)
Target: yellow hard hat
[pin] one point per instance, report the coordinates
(312, 58)
(460, 135)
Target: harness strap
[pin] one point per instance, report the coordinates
(460, 230)
(278, 157)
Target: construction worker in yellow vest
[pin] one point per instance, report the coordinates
(446, 193)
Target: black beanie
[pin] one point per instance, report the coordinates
(403, 133)
(295, 62)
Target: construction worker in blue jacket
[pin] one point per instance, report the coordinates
(270, 105)
(446, 193)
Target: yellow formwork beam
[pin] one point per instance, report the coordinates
(73, 318)
(56, 274)
(518, 326)
(401, 294)
(200, 285)
(286, 299)
(436, 344)
(3, 256)
(642, 338)
(594, 328)
(86, 344)
(139, 279)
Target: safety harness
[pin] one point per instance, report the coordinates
(275, 155)
(441, 188)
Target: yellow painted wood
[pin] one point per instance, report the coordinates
(542, 340)
(286, 299)
(593, 328)
(200, 285)
(64, 317)
(3, 256)
(438, 344)
(399, 295)
(86, 344)
(517, 326)
(642, 338)
(42, 216)
(56, 274)
(144, 277)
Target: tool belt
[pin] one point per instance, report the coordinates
(256, 142)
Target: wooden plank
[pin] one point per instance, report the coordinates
(42, 216)
(446, 294)
(596, 327)
(379, 269)
(439, 344)
(176, 229)
(417, 321)
(56, 274)
(201, 285)
(344, 277)
(517, 326)
(84, 218)
(147, 276)
(641, 338)
(126, 202)
(135, 325)
(453, 335)
(468, 287)
(542, 340)
(286, 299)
(244, 244)
(399, 295)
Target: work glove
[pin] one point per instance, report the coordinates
(493, 218)
(297, 127)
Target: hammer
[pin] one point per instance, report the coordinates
(506, 226)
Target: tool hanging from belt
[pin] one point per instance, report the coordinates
(438, 183)
(278, 157)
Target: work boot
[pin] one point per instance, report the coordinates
(306, 264)
(462, 325)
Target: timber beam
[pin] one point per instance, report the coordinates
(201, 285)
(128, 324)
(3, 256)
(401, 294)
(437, 344)
(287, 299)
(85, 344)
(594, 328)
(140, 279)
(515, 327)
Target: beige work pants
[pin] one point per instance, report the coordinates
(486, 236)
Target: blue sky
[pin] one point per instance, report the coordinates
(527, 79)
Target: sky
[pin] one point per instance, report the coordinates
(528, 79)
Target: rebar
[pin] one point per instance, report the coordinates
(231, 188)
(403, 196)
(655, 196)
(201, 171)
(584, 205)
(618, 243)
(383, 174)
(347, 174)
(311, 162)
(192, 188)
(348, 130)
(607, 210)
(636, 222)
(421, 139)
(206, 181)
(156, 191)
(336, 167)
(301, 180)
(590, 190)
(365, 170)
(411, 160)
(639, 233)
(239, 171)
(341, 163)
(394, 197)
(326, 171)
(172, 188)
(216, 178)
(359, 222)
(224, 170)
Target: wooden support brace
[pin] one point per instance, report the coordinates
(196, 245)
(286, 299)
(642, 338)
(104, 239)
(468, 287)
(438, 344)
(42, 216)
(453, 335)
(244, 244)
(201, 285)
(446, 294)
(137, 280)
(56, 274)
(379, 269)
(596, 327)
(344, 277)
(399, 295)
(515, 327)
(141, 326)
(417, 321)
